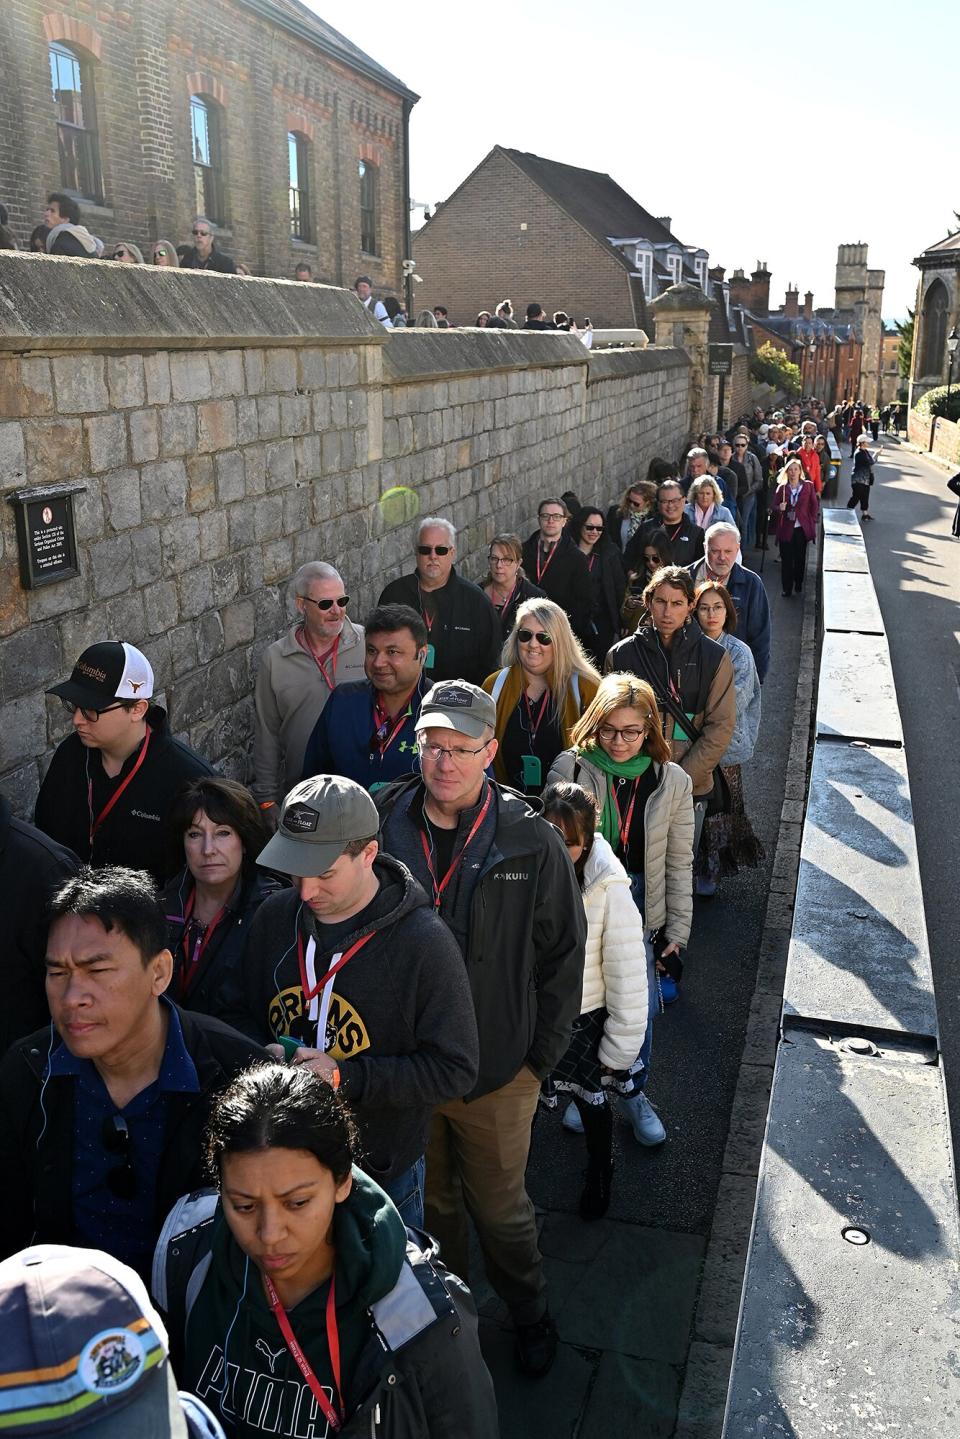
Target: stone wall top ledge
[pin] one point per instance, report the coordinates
(413, 355)
(49, 302)
(615, 364)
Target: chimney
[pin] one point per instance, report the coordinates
(741, 290)
(665, 220)
(717, 273)
(791, 303)
(761, 289)
(808, 305)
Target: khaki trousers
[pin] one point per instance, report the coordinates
(476, 1159)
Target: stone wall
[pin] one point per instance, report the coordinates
(941, 437)
(228, 430)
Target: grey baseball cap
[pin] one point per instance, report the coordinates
(319, 818)
(457, 705)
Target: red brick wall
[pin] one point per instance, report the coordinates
(151, 56)
(473, 254)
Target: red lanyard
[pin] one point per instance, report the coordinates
(192, 960)
(542, 568)
(330, 679)
(509, 600)
(439, 888)
(311, 991)
(97, 821)
(591, 561)
(428, 620)
(381, 721)
(535, 724)
(672, 538)
(623, 826)
(334, 1419)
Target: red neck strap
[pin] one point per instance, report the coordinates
(334, 1419)
(439, 888)
(97, 820)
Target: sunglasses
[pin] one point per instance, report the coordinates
(594, 529)
(341, 603)
(201, 234)
(433, 549)
(90, 715)
(119, 254)
(159, 254)
(541, 637)
(115, 1136)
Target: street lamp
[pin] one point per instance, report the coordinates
(953, 340)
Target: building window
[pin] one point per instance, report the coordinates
(206, 133)
(644, 262)
(701, 269)
(675, 266)
(368, 208)
(71, 76)
(298, 159)
(935, 311)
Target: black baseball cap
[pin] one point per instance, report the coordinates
(111, 670)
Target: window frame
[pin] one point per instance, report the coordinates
(300, 210)
(84, 138)
(369, 228)
(208, 175)
(643, 260)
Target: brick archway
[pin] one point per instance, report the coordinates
(69, 31)
(199, 82)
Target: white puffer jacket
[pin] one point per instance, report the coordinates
(615, 965)
(668, 847)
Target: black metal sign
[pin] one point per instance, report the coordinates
(721, 359)
(46, 534)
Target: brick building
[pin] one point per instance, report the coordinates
(529, 229)
(254, 112)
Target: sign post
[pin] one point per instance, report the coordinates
(46, 533)
(720, 363)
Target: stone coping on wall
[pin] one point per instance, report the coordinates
(619, 364)
(50, 302)
(413, 356)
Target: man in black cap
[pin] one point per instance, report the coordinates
(351, 973)
(500, 877)
(111, 783)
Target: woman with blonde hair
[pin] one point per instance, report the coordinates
(637, 505)
(542, 690)
(645, 812)
(705, 503)
(165, 255)
(506, 586)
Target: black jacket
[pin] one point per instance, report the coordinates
(36, 1132)
(218, 261)
(32, 867)
(609, 583)
(525, 590)
(134, 833)
(211, 987)
(565, 579)
(684, 541)
(466, 632)
(526, 931)
(400, 1022)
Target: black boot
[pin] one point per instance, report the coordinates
(595, 1199)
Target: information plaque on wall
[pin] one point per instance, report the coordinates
(721, 360)
(46, 534)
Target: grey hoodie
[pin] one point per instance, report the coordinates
(75, 240)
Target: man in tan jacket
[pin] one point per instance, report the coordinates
(296, 675)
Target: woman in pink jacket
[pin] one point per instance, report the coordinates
(793, 518)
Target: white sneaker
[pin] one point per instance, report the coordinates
(572, 1120)
(644, 1120)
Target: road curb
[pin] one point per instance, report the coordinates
(704, 1393)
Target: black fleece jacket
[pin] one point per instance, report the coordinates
(465, 634)
(400, 1022)
(134, 833)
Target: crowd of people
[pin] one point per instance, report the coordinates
(274, 1049)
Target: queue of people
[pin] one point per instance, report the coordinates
(460, 885)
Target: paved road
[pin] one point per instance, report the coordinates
(624, 1291)
(916, 572)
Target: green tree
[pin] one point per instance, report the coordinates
(771, 367)
(905, 347)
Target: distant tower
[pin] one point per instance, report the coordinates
(861, 290)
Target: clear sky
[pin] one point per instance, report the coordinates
(766, 132)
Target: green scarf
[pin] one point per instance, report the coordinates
(613, 769)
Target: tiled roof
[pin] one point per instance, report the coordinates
(293, 15)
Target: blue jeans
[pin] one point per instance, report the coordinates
(748, 518)
(654, 1005)
(406, 1191)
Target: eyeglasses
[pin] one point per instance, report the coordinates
(90, 715)
(630, 735)
(437, 752)
(541, 637)
(115, 1136)
(341, 603)
(502, 560)
(434, 549)
(119, 254)
(160, 254)
(594, 529)
(551, 515)
(711, 609)
(201, 234)
(635, 504)
(740, 445)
